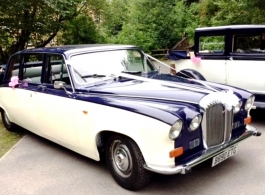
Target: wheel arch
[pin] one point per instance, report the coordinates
(154, 144)
(103, 136)
(191, 73)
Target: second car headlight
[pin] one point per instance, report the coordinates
(175, 130)
(249, 103)
(195, 123)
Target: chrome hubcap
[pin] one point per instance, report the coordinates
(122, 159)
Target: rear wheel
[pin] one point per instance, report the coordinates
(7, 123)
(125, 162)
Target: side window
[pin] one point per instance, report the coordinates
(55, 70)
(13, 67)
(32, 66)
(212, 44)
(251, 43)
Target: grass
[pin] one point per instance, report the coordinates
(8, 139)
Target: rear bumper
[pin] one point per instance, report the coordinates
(209, 153)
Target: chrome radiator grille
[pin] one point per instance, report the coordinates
(217, 125)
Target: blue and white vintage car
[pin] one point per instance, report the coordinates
(110, 101)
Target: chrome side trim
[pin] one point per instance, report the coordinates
(208, 153)
(258, 105)
(143, 97)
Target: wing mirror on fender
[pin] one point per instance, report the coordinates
(61, 84)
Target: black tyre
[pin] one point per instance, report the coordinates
(7, 123)
(125, 162)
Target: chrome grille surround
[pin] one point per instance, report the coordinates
(216, 123)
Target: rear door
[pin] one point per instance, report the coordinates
(19, 101)
(246, 65)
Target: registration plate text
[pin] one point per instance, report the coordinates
(231, 151)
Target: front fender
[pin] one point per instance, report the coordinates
(190, 73)
(150, 134)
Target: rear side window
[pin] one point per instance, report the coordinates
(32, 67)
(249, 43)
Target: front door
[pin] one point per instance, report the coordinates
(55, 117)
(247, 72)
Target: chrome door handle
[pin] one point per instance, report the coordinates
(42, 87)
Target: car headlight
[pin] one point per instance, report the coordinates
(237, 107)
(175, 130)
(195, 123)
(249, 103)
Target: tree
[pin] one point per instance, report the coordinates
(115, 15)
(152, 24)
(229, 12)
(81, 30)
(36, 22)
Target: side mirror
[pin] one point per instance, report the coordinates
(59, 84)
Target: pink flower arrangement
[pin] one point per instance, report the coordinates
(195, 60)
(13, 82)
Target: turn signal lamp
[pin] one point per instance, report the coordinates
(247, 120)
(176, 152)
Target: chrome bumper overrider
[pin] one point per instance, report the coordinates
(209, 153)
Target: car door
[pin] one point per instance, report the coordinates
(55, 115)
(245, 67)
(212, 58)
(19, 101)
(247, 72)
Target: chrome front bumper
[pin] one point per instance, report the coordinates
(209, 153)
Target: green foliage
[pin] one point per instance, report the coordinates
(229, 12)
(190, 19)
(81, 30)
(36, 22)
(152, 24)
(115, 15)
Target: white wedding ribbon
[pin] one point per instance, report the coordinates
(227, 98)
(165, 83)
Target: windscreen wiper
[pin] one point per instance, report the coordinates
(132, 72)
(93, 76)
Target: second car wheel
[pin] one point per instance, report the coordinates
(125, 162)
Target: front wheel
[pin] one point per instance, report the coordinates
(7, 123)
(125, 162)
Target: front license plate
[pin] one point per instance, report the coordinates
(231, 151)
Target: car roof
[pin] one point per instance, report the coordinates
(230, 28)
(72, 49)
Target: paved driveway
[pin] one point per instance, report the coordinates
(40, 167)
